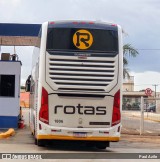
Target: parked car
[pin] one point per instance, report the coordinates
(136, 106)
(151, 108)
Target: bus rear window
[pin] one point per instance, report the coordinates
(73, 39)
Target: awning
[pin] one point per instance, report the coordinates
(18, 34)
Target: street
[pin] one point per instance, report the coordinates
(131, 124)
(23, 142)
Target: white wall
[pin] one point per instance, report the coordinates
(9, 106)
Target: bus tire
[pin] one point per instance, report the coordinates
(41, 143)
(90, 145)
(102, 145)
(35, 141)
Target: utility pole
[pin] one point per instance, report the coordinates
(155, 87)
(14, 50)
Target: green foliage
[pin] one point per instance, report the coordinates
(22, 87)
(128, 50)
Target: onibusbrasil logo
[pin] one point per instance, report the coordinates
(82, 39)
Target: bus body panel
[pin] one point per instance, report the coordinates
(80, 112)
(76, 112)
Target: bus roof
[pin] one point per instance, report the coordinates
(82, 24)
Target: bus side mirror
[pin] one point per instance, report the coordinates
(27, 87)
(28, 84)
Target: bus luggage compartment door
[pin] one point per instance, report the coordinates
(84, 112)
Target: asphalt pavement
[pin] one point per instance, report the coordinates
(23, 142)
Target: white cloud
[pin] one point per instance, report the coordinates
(146, 80)
(25, 56)
(4, 2)
(140, 19)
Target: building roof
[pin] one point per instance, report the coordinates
(18, 34)
(134, 93)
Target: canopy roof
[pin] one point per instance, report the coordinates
(18, 34)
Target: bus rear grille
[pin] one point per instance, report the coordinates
(88, 74)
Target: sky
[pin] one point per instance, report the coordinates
(138, 18)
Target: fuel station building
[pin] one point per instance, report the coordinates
(10, 70)
(10, 74)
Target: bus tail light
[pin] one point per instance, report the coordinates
(116, 116)
(52, 22)
(91, 22)
(113, 24)
(43, 114)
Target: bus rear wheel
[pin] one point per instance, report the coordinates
(41, 143)
(102, 145)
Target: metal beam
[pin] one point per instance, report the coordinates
(18, 34)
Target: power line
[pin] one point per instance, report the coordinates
(144, 84)
(151, 49)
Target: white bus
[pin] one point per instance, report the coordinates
(76, 83)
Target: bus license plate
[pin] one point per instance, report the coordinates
(80, 134)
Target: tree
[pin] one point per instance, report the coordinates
(128, 50)
(22, 87)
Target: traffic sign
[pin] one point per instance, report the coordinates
(148, 92)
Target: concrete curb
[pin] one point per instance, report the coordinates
(145, 118)
(151, 117)
(155, 120)
(8, 133)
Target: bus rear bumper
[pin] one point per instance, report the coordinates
(83, 134)
(62, 137)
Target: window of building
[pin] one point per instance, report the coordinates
(7, 85)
